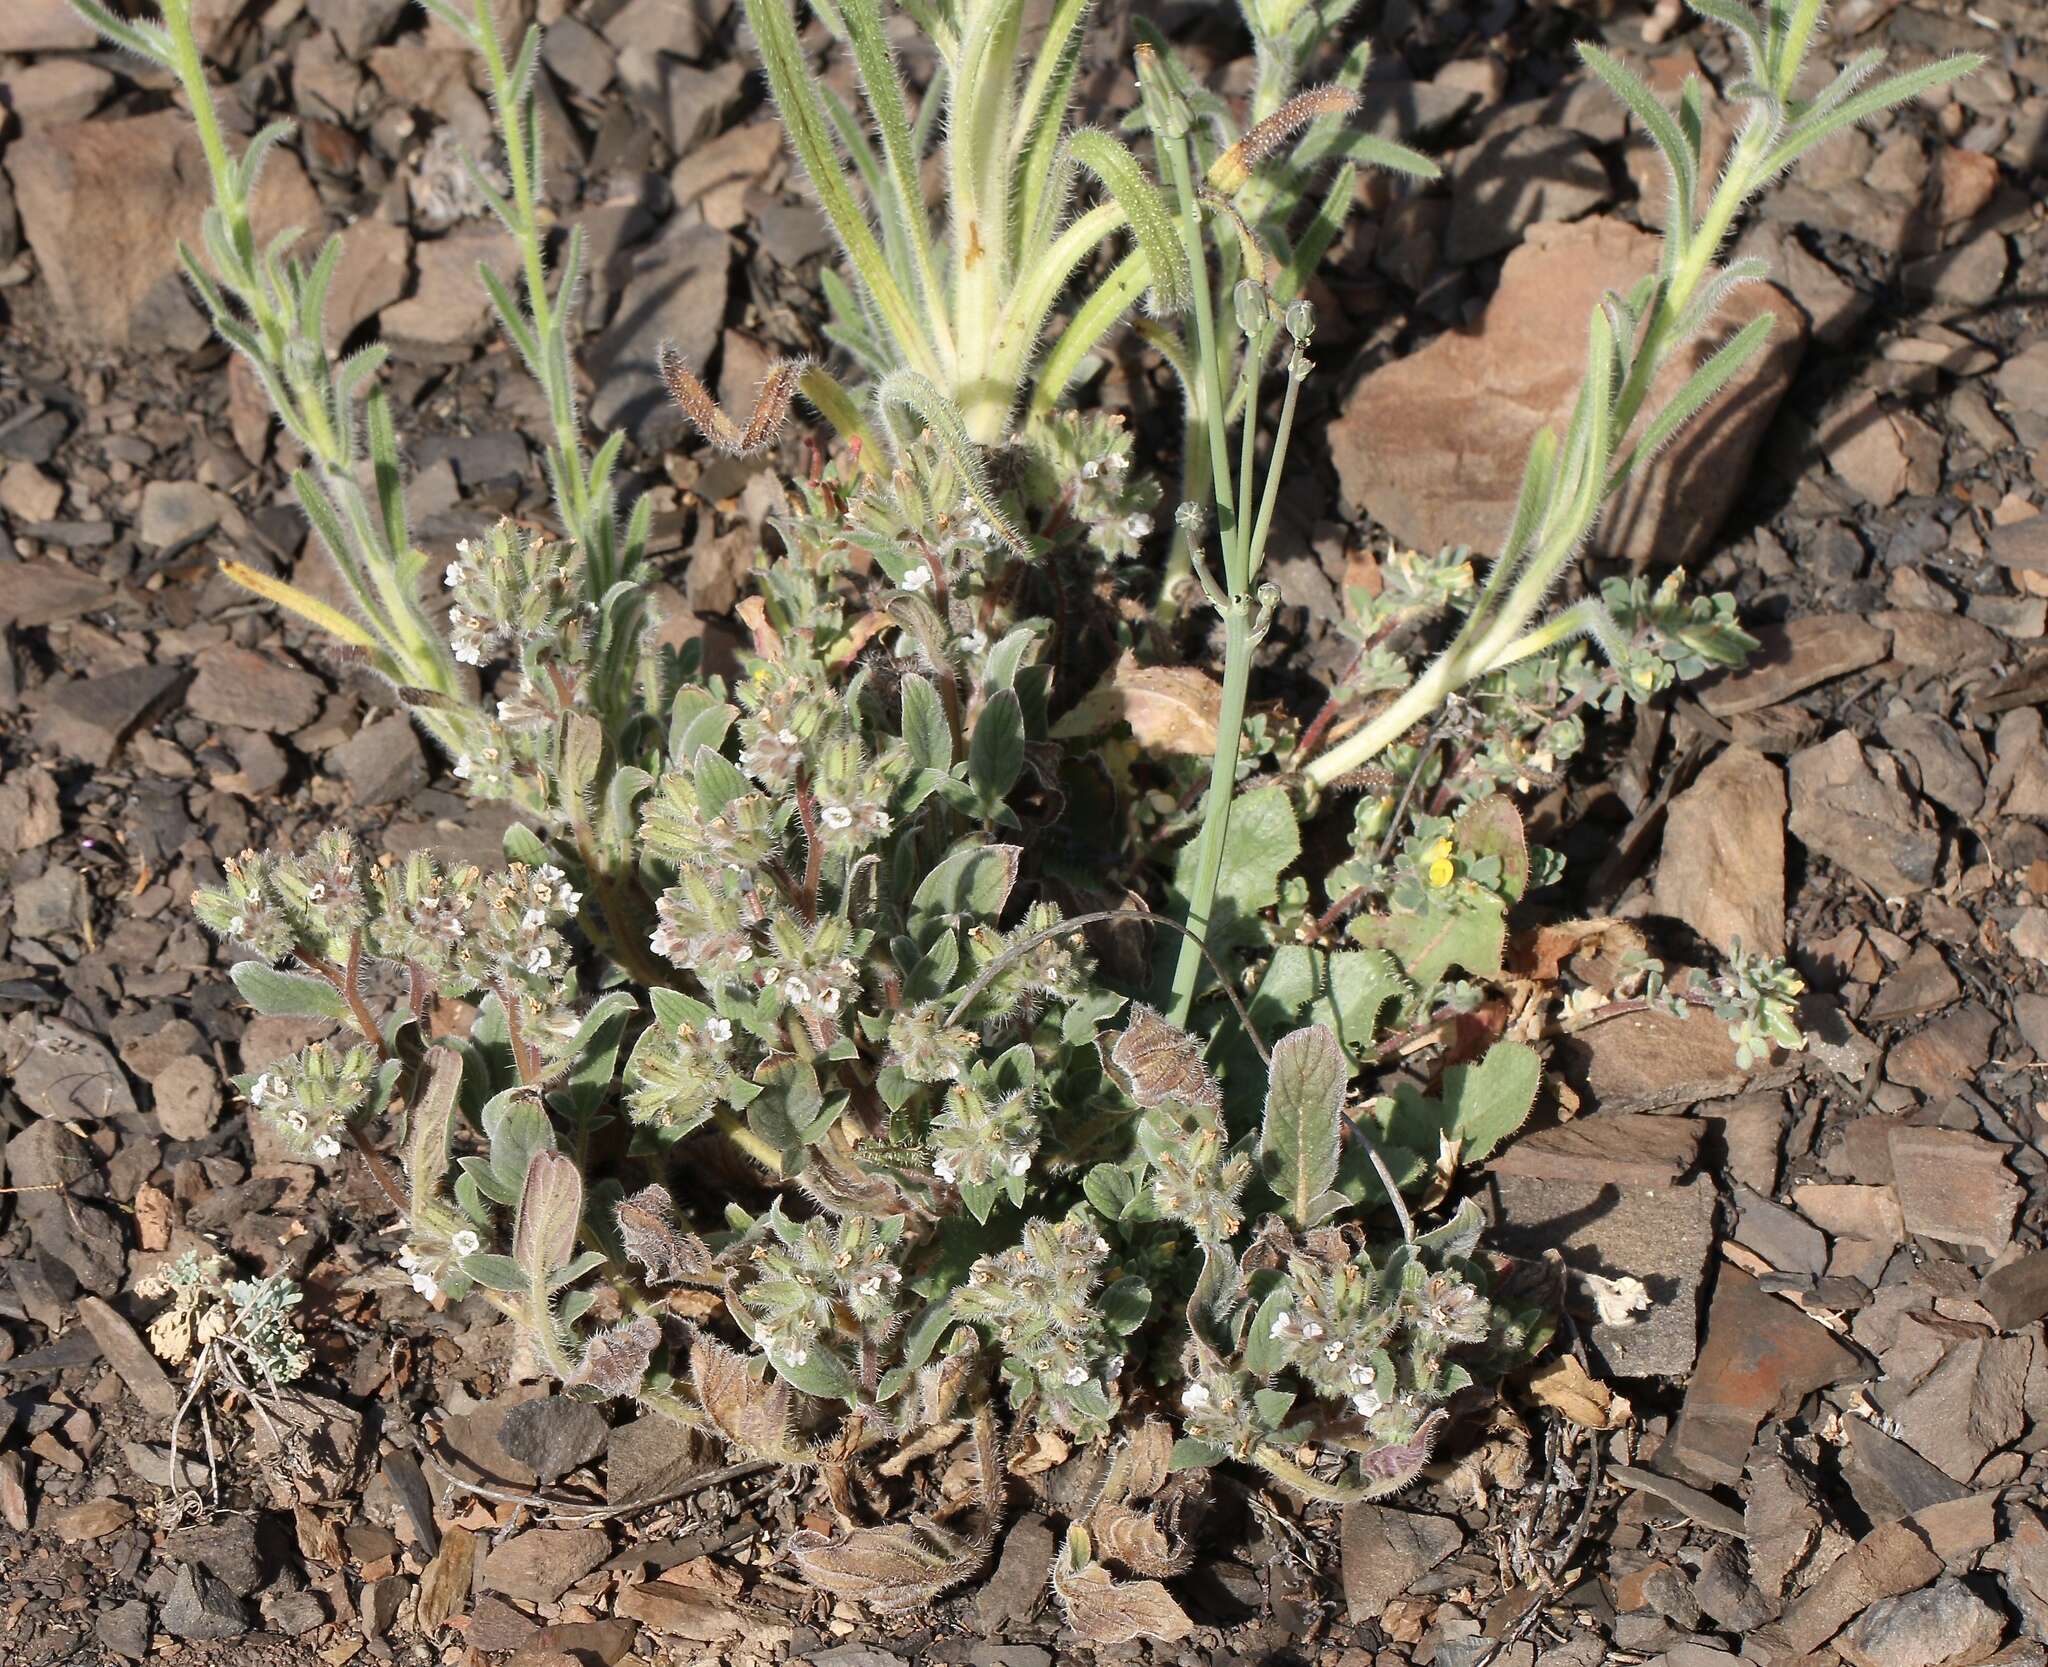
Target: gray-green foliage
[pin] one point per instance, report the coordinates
(814, 914)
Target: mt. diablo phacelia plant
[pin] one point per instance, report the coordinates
(866, 911)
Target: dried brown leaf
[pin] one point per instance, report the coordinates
(756, 1417)
(1157, 1061)
(615, 1361)
(1565, 1387)
(893, 1569)
(648, 1229)
(1107, 1612)
(1171, 709)
(1135, 1539)
(707, 416)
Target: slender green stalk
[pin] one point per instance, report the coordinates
(1631, 341)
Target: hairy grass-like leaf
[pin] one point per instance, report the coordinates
(809, 129)
(1894, 90)
(918, 395)
(1699, 391)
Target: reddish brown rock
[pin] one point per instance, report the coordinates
(541, 1564)
(1954, 1186)
(104, 203)
(1761, 1358)
(1628, 1150)
(1432, 446)
(1722, 870)
(1795, 657)
(1884, 1563)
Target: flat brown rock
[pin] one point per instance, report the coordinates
(1386, 1550)
(1944, 1054)
(1432, 446)
(104, 205)
(1628, 1149)
(1660, 1235)
(1650, 1061)
(1884, 1563)
(1852, 806)
(1970, 1406)
(541, 1564)
(130, 1358)
(1722, 870)
(1795, 657)
(1954, 1186)
(1760, 1359)
(247, 690)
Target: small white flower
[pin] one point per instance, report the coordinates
(918, 577)
(828, 1000)
(786, 736)
(718, 1029)
(237, 926)
(798, 1356)
(464, 1243)
(879, 821)
(1074, 1376)
(1020, 1163)
(836, 817)
(469, 653)
(974, 642)
(1333, 1351)
(1195, 1398)
(796, 992)
(1283, 1324)
(1366, 1402)
(327, 1147)
(452, 576)
(870, 1286)
(1090, 469)
(942, 1167)
(549, 875)
(425, 1283)
(317, 892)
(1361, 1375)
(540, 959)
(265, 1086)
(567, 898)
(979, 530)
(463, 767)
(1138, 525)
(1311, 1330)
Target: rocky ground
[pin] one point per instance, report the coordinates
(1824, 1441)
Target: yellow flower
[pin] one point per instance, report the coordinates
(1442, 871)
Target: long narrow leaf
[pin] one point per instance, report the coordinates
(1091, 322)
(803, 118)
(1041, 111)
(921, 397)
(1893, 90)
(1144, 209)
(1318, 235)
(1699, 391)
(882, 81)
(1733, 14)
(1680, 164)
(145, 40)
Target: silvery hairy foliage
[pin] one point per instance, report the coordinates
(814, 1094)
